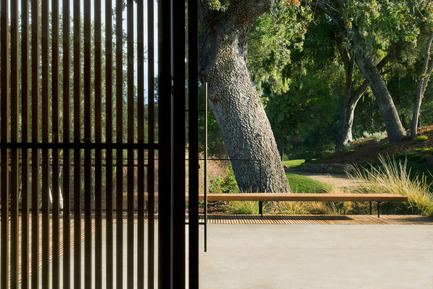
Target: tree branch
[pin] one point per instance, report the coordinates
(328, 10)
(427, 65)
(243, 13)
(205, 13)
(360, 91)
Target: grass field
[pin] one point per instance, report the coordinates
(301, 184)
(293, 164)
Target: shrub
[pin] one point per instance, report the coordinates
(349, 152)
(420, 138)
(428, 151)
(225, 183)
(377, 136)
(393, 177)
(384, 146)
(360, 145)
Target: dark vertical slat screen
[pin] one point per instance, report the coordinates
(55, 152)
(109, 139)
(119, 140)
(4, 151)
(14, 152)
(98, 153)
(25, 139)
(47, 88)
(66, 152)
(87, 151)
(45, 151)
(35, 139)
(77, 151)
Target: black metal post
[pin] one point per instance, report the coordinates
(205, 168)
(193, 144)
(165, 115)
(378, 209)
(261, 208)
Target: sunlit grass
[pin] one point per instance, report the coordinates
(243, 207)
(303, 184)
(293, 164)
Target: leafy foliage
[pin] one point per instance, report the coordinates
(273, 38)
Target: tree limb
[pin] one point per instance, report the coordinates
(360, 90)
(205, 13)
(328, 10)
(243, 13)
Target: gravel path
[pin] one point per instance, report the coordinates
(338, 180)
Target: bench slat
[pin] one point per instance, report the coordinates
(290, 197)
(305, 197)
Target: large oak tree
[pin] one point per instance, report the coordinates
(233, 97)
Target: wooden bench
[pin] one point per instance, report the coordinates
(289, 197)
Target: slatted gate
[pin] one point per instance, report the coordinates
(92, 128)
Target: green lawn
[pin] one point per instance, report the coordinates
(301, 184)
(293, 164)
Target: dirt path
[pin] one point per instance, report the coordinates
(338, 180)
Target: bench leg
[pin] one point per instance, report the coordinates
(378, 209)
(261, 208)
(370, 208)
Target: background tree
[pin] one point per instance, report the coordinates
(370, 27)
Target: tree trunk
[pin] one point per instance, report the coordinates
(392, 121)
(347, 125)
(348, 112)
(422, 86)
(234, 100)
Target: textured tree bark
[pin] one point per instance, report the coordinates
(422, 86)
(346, 125)
(233, 97)
(394, 128)
(348, 111)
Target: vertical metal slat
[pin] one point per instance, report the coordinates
(193, 145)
(178, 32)
(5, 138)
(205, 168)
(165, 122)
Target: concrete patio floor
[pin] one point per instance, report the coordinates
(317, 256)
(342, 252)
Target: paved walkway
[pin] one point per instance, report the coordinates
(338, 180)
(317, 257)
